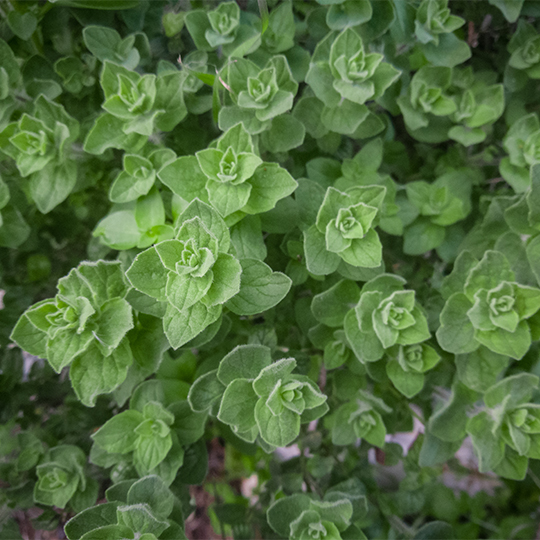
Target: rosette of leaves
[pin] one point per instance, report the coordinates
(84, 326)
(62, 479)
(193, 273)
(136, 106)
(522, 142)
(138, 175)
(10, 78)
(433, 18)
(427, 104)
(145, 509)
(299, 517)
(360, 418)
(344, 230)
(222, 27)
(230, 176)
(257, 397)
(149, 437)
(145, 434)
(407, 364)
(507, 433)
(437, 206)
(486, 306)
(479, 105)
(258, 94)
(386, 315)
(524, 48)
(137, 223)
(41, 145)
(344, 76)
(434, 29)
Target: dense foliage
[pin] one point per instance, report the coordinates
(230, 227)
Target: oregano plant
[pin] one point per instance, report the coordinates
(269, 269)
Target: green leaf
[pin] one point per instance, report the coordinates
(422, 236)
(435, 529)
(67, 344)
(247, 239)
(106, 44)
(107, 132)
(450, 51)
(533, 256)
(269, 184)
(283, 512)
(449, 422)
(29, 338)
(244, 362)
(115, 320)
(488, 448)
(151, 450)
(512, 391)
(510, 8)
(117, 435)
(514, 344)
(308, 110)
(169, 100)
(183, 291)
(51, 185)
(227, 279)
(331, 306)
(92, 373)
(140, 519)
(119, 230)
(189, 425)
(152, 491)
(409, 383)
(348, 13)
(184, 177)
(319, 260)
(480, 369)
(364, 252)
(260, 288)
(205, 391)
(14, 230)
(23, 25)
(366, 345)
(182, 326)
(285, 133)
(344, 118)
(456, 333)
(278, 430)
(238, 405)
(108, 532)
(90, 519)
(228, 198)
(512, 466)
(148, 275)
